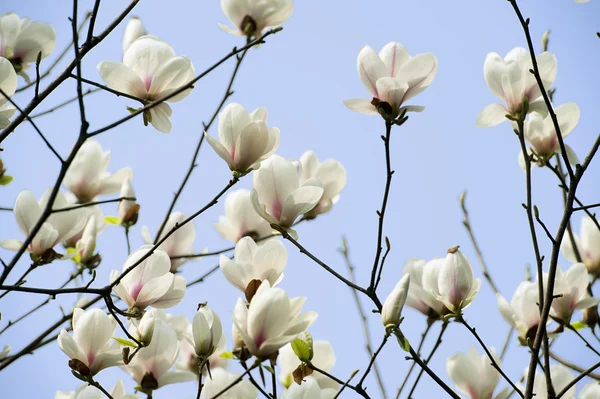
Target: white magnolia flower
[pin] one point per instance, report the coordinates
(87, 244)
(240, 219)
(253, 262)
(125, 206)
(21, 40)
(392, 307)
(87, 176)
(523, 312)
(332, 176)
(393, 77)
(91, 212)
(572, 286)
(510, 80)
(8, 84)
(188, 360)
(221, 379)
(418, 297)
(90, 346)
(455, 285)
(271, 320)
(588, 245)
(150, 71)
(58, 226)
(590, 391)
(85, 391)
(323, 358)
(474, 374)
(251, 17)
(244, 139)
(143, 329)
(5, 351)
(206, 332)
(133, 31)
(178, 243)
(560, 375)
(279, 196)
(309, 389)
(539, 132)
(150, 283)
(150, 367)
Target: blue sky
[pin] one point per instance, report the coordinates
(302, 75)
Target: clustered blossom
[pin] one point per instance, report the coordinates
(393, 77)
(572, 287)
(250, 18)
(523, 312)
(240, 219)
(418, 297)
(177, 244)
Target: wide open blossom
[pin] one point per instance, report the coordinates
(221, 379)
(87, 176)
(240, 219)
(523, 312)
(561, 377)
(85, 391)
(21, 40)
(151, 366)
(90, 346)
(8, 84)
(58, 226)
(251, 17)
(474, 374)
(510, 80)
(418, 297)
(310, 389)
(254, 262)
(178, 243)
(150, 71)
(332, 176)
(588, 246)
(271, 320)
(279, 195)
(540, 134)
(150, 283)
(393, 77)
(133, 31)
(392, 307)
(244, 138)
(323, 358)
(572, 286)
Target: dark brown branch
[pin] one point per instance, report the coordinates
(437, 344)
(577, 379)
(88, 204)
(412, 366)
(573, 366)
(108, 89)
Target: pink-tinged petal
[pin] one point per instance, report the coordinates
(492, 115)
(146, 55)
(393, 55)
(370, 69)
(153, 290)
(173, 296)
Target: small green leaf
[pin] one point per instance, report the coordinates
(301, 349)
(269, 369)
(578, 325)
(125, 342)
(5, 179)
(403, 342)
(115, 220)
(227, 355)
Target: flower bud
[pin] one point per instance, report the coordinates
(145, 328)
(87, 244)
(457, 287)
(128, 209)
(206, 331)
(133, 30)
(392, 307)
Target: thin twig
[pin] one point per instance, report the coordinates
(108, 89)
(585, 341)
(437, 344)
(573, 366)
(577, 379)
(372, 362)
(88, 204)
(412, 366)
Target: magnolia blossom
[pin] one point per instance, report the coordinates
(150, 71)
(87, 176)
(127, 213)
(91, 212)
(206, 332)
(590, 391)
(150, 367)
(244, 139)
(474, 374)
(90, 347)
(178, 243)
(332, 176)
(455, 285)
(5, 351)
(188, 359)
(222, 379)
(87, 244)
(85, 391)
(561, 377)
(393, 77)
(323, 358)
(572, 286)
(392, 307)
(279, 196)
(134, 30)
(58, 226)
(271, 320)
(510, 80)
(240, 219)
(21, 40)
(250, 18)
(150, 283)
(8, 84)
(418, 297)
(253, 262)
(588, 246)
(539, 132)
(310, 389)
(523, 312)
(143, 329)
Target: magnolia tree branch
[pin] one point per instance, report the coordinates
(437, 344)
(574, 366)
(577, 379)
(412, 366)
